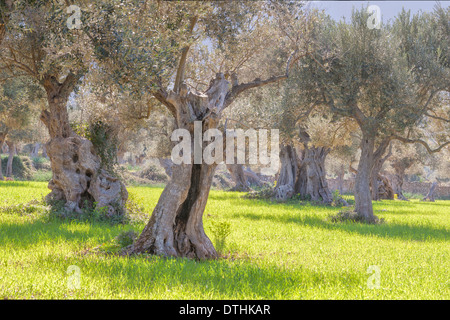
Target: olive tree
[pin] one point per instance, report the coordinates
(386, 80)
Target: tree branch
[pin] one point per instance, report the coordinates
(237, 89)
(19, 65)
(436, 117)
(405, 140)
(161, 96)
(182, 65)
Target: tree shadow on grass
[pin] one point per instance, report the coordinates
(182, 278)
(385, 230)
(31, 233)
(410, 207)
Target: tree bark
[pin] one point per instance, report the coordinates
(384, 190)
(288, 174)
(316, 186)
(167, 164)
(78, 179)
(176, 225)
(363, 195)
(253, 178)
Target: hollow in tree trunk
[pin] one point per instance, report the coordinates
(77, 175)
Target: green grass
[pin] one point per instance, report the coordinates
(273, 251)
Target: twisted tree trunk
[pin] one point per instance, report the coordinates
(304, 175)
(78, 178)
(287, 181)
(316, 186)
(176, 225)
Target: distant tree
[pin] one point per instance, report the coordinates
(366, 76)
(19, 102)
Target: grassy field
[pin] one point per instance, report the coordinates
(273, 251)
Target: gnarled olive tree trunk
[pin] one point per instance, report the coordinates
(78, 178)
(317, 185)
(289, 173)
(303, 175)
(176, 225)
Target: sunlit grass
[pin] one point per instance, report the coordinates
(274, 251)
